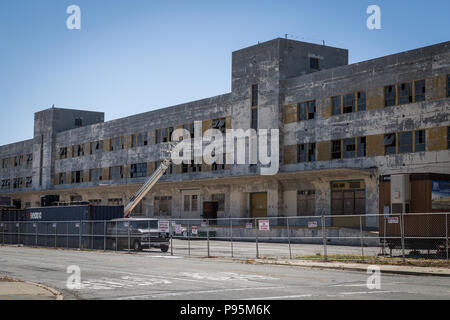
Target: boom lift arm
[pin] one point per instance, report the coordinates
(148, 185)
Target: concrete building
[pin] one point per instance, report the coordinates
(344, 129)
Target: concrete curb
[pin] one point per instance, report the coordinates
(405, 270)
(58, 295)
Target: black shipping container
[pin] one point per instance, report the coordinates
(73, 213)
(5, 201)
(12, 215)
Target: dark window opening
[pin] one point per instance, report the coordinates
(28, 182)
(361, 101)
(77, 177)
(361, 146)
(301, 153)
(254, 124)
(314, 63)
(389, 96)
(336, 105)
(349, 148)
(311, 152)
(95, 175)
(336, 149)
(306, 110)
(419, 90)
(138, 170)
(96, 147)
(419, 140)
(405, 142)
(29, 159)
(405, 93)
(220, 198)
(254, 95)
(349, 103)
(116, 173)
(78, 122)
(62, 178)
(389, 143)
(219, 124)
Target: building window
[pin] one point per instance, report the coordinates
(361, 102)
(139, 140)
(62, 178)
(219, 124)
(306, 152)
(77, 151)
(254, 124)
(115, 201)
(348, 198)
(419, 137)
(311, 152)
(220, 198)
(361, 146)
(301, 153)
(95, 202)
(78, 122)
(5, 184)
(314, 64)
(29, 159)
(117, 144)
(63, 153)
(116, 173)
(28, 182)
(306, 110)
(405, 93)
(254, 95)
(194, 202)
(187, 203)
(389, 143)
(336, 105)
(96, 147)
(336, 149)
(163, 135)
(17, 184)
(349, 103)
(5, 163)
(77, 176)
(405, 142)
(218, 166)
(95, 175)
(389, 96)
(138, 170)
(419, 91)
(349, 148)
(190, 128)
(163, 206)
(195, 167)
(18, 161)
(306, 203)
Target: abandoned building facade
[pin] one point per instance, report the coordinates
(344, 130)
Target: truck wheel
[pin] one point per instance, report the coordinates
(137, 245)
(164, 248)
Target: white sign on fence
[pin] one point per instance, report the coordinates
(264, 225)
(54, 225)
(249, 225)
(312, 224)
(163, 225)
(178, 228)
(194, 230)
(203, 223)
(77, 225)
(393, 220)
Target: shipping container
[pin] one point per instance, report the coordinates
(73, 213)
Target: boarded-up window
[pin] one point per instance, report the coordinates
(348, 198)
(187, 203)
(163, 206)
(306, 202)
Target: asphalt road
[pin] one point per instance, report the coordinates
(153, 275)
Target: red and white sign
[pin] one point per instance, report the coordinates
(264, 225)
(194, 230)
(312, 224)
(393, 220)
(163, 225)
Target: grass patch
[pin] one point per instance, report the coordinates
(349, 258)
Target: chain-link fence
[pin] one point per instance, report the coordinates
(345, 237)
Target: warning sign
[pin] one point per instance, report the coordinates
(264, 225)
(203, 223)
(194, 230)
(177, 228)
(393, 220)
(312, 224)
(249, 225)
(163, 225)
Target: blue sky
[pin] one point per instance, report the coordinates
(132, 56)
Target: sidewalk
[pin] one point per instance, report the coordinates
(18, 290)
(407, 270)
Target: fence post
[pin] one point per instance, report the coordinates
(207, 234)
(36, 234)
(189, 238)
(18, 232)
(446, 234)
(289, 237)
(104, 235)
(231, 236)
(117, 240)
(128, 236)
(79, 233)
(67, 235)
(324, 239)
(171, 237)
(402, 233)
(257, 229)
(361, 236)
(55, 226)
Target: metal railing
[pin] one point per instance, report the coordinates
(402, 236)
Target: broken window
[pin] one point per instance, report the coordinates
(219, 124)
(405, 93)
(78, 150)
(18, 161)
(314, 64)
(29, 159)
(254, 95)
(116, 173)
(389, 96)
(117, 144)
(361, 146)
(78, 122)
(138, 170)
(336, 149)
(349, 103)
(96, 147)
(220, 198)
(139, 140)
(17, 184)
(77, 176)
(311, 152)
(361, 96)
(5, 163)
(301, 153)
(336, 105)
(306, 110)
(405, 142)
(190, 127)
(62, 178)
(6, 183)
(95, 175)
(389, 143)
(448, 85)
(349, 148)
(419, 91)
(28, 182)
(306, 203)
(419, 140)
(63, 153)
(195, 167)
